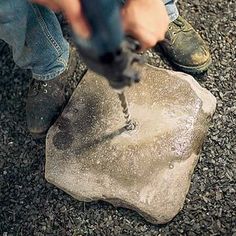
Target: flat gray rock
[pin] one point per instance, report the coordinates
(91, 156)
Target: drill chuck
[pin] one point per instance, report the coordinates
(116, 67)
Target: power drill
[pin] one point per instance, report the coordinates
(108, 52)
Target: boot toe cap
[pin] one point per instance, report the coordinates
(38, 125)
(199, 56)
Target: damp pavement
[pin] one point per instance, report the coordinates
(31, 206)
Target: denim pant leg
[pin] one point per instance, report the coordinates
(171, 9)
(35, 36)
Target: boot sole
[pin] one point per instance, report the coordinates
(188, 69)
(194, 70)
(38, 135)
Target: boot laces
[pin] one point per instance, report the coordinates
(180, 25)
(39, 86)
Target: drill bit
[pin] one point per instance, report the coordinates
(130, 125)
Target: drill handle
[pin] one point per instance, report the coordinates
(104, 19)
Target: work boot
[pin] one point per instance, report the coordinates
(185, 48)
(46, 99)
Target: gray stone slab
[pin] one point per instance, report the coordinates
(90, 155)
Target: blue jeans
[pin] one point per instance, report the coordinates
(171, 9)
(36, 39)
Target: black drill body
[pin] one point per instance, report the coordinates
(108, 52)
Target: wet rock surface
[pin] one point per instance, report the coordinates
(91, 155)
(31, 206)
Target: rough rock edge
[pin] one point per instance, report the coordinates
(208, 99)
(117, 202)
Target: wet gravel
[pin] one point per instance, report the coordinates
(31, 206)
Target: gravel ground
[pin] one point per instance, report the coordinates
(31, 206)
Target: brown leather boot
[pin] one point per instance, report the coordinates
(46, 99)
(185, 48)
